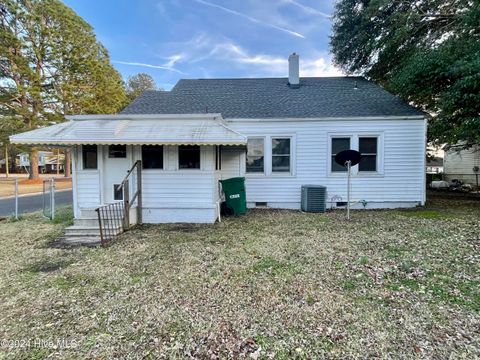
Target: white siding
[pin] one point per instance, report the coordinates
(459, 165)
(88, 190)
(401, 176)
(231, 162)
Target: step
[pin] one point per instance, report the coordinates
(80, 241)
(89, 222)
(90, 231)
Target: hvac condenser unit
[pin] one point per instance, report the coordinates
(314, 198)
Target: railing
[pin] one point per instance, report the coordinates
(114, 218)
(111, 221)
(125, 187)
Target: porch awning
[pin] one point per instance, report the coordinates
(208, 129)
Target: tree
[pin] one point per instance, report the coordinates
(51, 65)
(137, 84)
(427, 52)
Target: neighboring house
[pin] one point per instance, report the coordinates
(47, 162)
(434, 165)
(280, 133)
(461, 164)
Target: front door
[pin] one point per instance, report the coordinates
(116, 163)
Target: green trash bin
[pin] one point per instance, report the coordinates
(235, 199)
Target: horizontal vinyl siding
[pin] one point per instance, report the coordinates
(177, 188)
(403, 161)
(88, 191)
(230, 163)
(461, 162)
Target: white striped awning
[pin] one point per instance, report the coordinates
(208, 129)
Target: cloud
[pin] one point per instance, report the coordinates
(252, 19)
(308, 9)
(223, 53)
(161, 67)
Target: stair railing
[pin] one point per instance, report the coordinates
(114, 218)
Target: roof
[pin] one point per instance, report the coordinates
(135, 129)
(317, 97)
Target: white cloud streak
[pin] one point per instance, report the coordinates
(161, 67)
(308, 9)
(251, 19)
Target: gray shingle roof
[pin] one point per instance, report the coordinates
(273, 98)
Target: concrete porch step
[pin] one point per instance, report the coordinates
(78, 241)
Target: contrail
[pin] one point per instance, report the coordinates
(254, 20)
(308, 9)
(149, 66)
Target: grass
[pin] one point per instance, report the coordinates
(272, 284)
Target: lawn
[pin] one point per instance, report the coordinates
(272, 284)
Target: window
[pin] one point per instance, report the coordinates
(339, 144)
(89, 155)
(117, 192)
(117, 151)
(255, 156)
(280, 155)
(367, 146)
(189, 157)
(218, 157)
(152, 156)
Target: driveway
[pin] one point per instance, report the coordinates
(30, 203)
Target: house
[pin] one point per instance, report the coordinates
(47, 162)
(280, 133)
(462, 164)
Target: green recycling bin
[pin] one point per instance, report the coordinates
(235, 199)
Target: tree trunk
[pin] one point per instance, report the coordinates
(6, 160)
(68, 156)
(33, 164)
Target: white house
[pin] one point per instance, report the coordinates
(280, 133)
(462, 164)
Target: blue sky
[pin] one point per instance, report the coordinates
(174, 39)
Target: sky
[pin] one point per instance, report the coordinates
(175, 39)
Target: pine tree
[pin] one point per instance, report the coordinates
(51, 65)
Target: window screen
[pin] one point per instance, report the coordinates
(368, 148)
(89, 155)
(255, 156)
(338, 145)
(152, 156)
(117, 151)
(280, 155)
(189, 157)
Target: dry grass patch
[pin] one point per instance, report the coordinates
(272, 284)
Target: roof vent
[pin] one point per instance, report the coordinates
(355, 87)
(294, 71)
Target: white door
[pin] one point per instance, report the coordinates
(117, 160)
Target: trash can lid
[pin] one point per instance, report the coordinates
(233, 180)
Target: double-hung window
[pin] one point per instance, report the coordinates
(281, 155)
(255, 155)
(339, 144)
(368, 147)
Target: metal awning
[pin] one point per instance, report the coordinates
(205, 129)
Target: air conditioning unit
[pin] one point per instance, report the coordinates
(314, 198)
